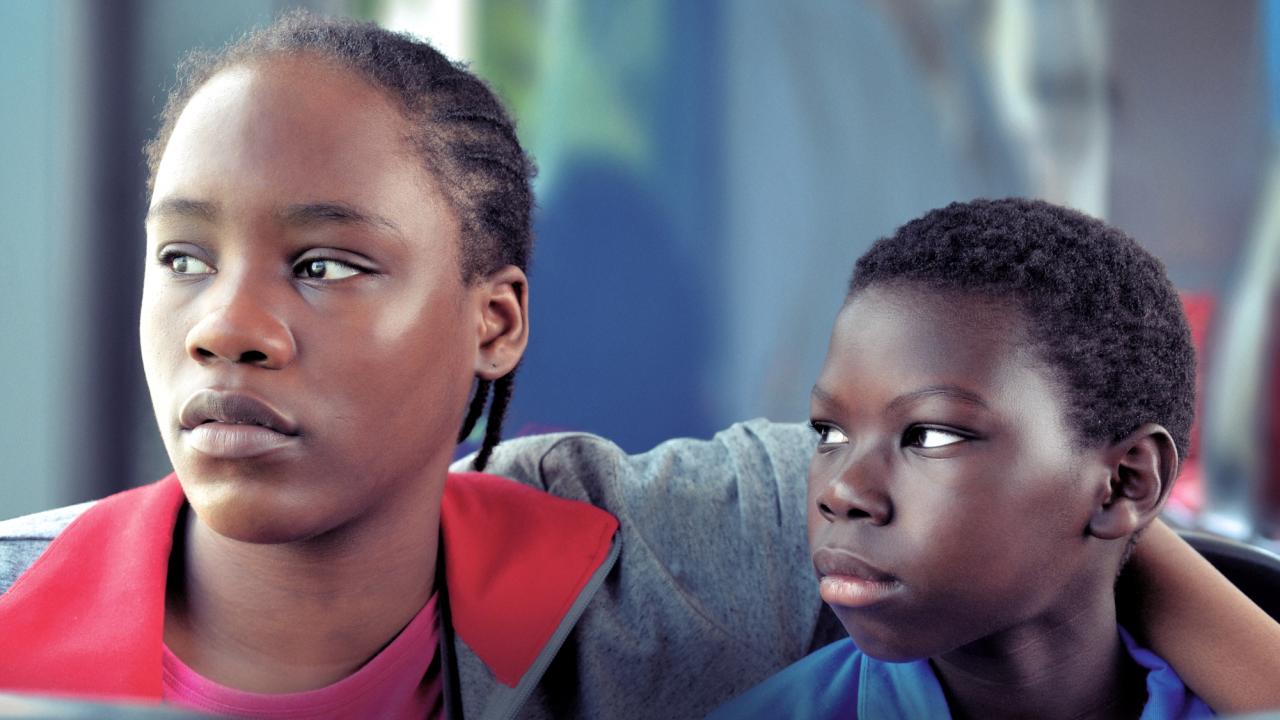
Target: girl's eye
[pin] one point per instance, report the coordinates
(322, 269)
(925, 437)
(187, 265)
(829, 434)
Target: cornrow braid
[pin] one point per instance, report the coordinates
(497, 412)
(465, 137)
(475, 410)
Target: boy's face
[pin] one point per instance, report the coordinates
(946, 493)
(306, 335)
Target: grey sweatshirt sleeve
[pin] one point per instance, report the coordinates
(23, 539)
(714, 589)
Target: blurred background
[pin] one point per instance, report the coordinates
(709, 171)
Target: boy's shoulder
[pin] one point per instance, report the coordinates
(838, 678)
(838, 681)
(25, 538)
(824, 684)
(1167, 696)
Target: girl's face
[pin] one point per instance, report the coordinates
(948, 496)
(306, 335)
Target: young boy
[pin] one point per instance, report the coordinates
(1008, 389)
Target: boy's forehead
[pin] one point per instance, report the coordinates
(903, 338)
(964, 318)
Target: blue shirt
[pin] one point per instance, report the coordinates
(833, 681)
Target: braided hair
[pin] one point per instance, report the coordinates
(461, 131)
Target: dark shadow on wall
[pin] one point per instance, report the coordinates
(619, 319)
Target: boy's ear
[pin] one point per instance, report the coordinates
(1142, 467)
(503, 329)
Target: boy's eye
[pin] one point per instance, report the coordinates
(186, 265)
(829, 434)
(926, 437)
(324, 269)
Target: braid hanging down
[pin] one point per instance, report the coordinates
(475, 410)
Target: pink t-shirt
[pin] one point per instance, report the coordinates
(402, 681)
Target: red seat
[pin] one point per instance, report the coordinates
(1187, 499)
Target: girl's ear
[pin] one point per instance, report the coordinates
(1143, 466)
(503, 329)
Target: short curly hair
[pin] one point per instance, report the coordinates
(1101, 312)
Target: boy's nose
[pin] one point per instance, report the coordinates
(852, 495)
(242, 330)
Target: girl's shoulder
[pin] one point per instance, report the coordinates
(25, 538)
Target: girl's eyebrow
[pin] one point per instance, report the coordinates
(182, 207)
(339, 213)
(299, 214)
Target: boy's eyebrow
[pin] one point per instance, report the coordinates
(820, 394)
(952, 391)
(183, 207)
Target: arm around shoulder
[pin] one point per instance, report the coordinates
(1225, 648)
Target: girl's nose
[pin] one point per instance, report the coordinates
(242, 330)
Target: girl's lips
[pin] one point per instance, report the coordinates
(231, 442)
(855, 592)
(233, 408)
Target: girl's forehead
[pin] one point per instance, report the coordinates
(285, 131)
(286, 102)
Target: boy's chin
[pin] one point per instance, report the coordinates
(885, 644)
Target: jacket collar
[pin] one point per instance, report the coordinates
(88, 616)
(516, 559)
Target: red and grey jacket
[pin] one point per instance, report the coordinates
(520, 566)
(711, 591)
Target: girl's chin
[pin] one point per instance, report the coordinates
(259, 515)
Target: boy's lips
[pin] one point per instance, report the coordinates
(233, 425)
(849, 581)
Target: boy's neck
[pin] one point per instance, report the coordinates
(296, 616)
(1075, 667)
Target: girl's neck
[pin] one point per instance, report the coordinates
(1074, 667)
(296, 616)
